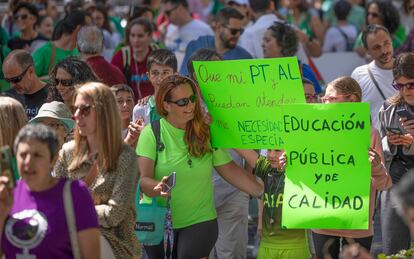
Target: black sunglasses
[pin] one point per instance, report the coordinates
(20, 16)
(168, 12)
(84, 110)
(184, 101)
(17, 79)
(234, 31)
(64, 82)
(399, 87)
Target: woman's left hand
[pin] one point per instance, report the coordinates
(160, 186)
(374, 158)
(408, 125)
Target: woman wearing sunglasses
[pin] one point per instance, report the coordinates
(397, 129)
(26, 17)
(65, 75)
(188, 152)
(328, 241)
(100, 158)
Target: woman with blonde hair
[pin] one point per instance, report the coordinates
(100, 158)
(10, 111)
(185, 138)
(342, 90)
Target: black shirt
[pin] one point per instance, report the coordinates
(30, 102)
(18, 43)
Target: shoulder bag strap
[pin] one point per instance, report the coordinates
(375, 83)
(156, 128)
(52, 57)
(70, 218)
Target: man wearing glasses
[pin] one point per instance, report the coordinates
(18, 70)
(182, 28)
(227, 31)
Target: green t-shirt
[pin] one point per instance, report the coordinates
(272, 233)
(192, 197)
(4, 86)
(43, 55)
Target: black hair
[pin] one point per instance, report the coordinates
(260, 6)
(39, 132)
(225, 14)
(286, 38)
(388, 14)
(372, 29)
(163, 57)
(201, 55)
(177, 2)
(29, 7)
(71, 21)
(104, 11)
(137, 11)
(342, 9)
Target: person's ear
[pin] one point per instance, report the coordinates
(167, 106)
(353, 98)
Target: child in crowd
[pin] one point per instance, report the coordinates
(161, 64)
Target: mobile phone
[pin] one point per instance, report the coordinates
(6, 166)
(169, 183)
(394, 130)
(402, 112)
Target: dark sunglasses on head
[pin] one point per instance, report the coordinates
(234, 31)
(375, 15)
(64, 82)
(20, 16)
(185, 101)
(84, 110)
(168, 12)
(399, 87)
(17, 79)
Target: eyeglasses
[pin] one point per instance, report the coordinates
(399, 87)
(375, 15)
(234, 31)
(84, 110)
(64, 82)
(168, 12)
(185, 101)
(21, 16)
(17, 79)
(326, 99)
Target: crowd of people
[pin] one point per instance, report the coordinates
(99, 113)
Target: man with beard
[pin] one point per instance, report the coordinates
(27, 88)
(227, 31)
(376, 77)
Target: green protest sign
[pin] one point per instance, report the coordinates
(241, 96)
(327, 182)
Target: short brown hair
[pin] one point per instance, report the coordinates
(346, 85)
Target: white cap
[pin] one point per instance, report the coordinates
(239, 2)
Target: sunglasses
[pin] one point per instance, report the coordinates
(185, 101)
(17, 79)
(168, 12)
(21, 16)
(64, 82)
(399, 87)
(375, 15)
(234, 31)
(84, 110)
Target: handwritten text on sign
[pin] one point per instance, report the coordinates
(241, 96)
(327, 172)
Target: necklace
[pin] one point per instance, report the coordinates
(273, 177)
(189, 161)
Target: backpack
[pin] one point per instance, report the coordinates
(349, 42)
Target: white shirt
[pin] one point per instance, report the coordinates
(252, 37)
(177, 38)
(335, 41)
(370, 92)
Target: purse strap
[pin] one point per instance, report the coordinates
(70, 218)
(375, 82)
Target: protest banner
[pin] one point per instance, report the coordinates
(327, 182)
(241, 96)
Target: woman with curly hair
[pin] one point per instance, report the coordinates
(65, 75)
(386, 14)
(188, 152)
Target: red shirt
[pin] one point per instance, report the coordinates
(106, 72)
(138, 78)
